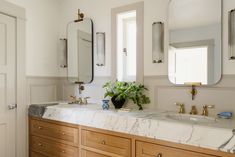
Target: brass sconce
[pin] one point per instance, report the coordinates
(80, 87)
(193, 91)
(80, 16)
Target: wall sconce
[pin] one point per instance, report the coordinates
(231, 34)
(158, 42)
(63, 53)
(100, 40)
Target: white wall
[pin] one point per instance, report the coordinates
(41, 36)
(47, 20)
(100, 13)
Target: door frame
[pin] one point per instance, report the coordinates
(21, 114)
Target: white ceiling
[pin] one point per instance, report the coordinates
(194, 13)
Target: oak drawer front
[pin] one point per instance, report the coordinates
(108, 143)
(34, 154)
(86, 153)
(58, 132)
(52, 149)
(144, 149)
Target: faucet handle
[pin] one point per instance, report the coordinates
(181, 107)
(85, 100)
(205, 109)
(72, 99)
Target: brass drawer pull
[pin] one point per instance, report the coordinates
(39, 144)
(103, 142)
(39, 127)
(63, 151)
(63, 133)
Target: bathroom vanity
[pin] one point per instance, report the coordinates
(87, 131)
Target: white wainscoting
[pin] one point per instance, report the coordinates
(164, 94)
(49, 89)
(43, 89)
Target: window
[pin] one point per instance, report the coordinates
(126, 46)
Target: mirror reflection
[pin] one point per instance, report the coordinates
(195, 41)
(80, 51)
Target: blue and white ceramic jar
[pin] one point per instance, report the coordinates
(105, 104)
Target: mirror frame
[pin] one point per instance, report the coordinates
(92, 53)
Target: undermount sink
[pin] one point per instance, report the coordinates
(191, 118)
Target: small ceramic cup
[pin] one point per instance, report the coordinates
(105, 104)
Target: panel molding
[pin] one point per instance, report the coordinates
(164, 94)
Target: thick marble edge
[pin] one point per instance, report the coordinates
(147, 124)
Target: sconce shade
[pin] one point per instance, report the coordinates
(100, 40)
(157, 42)
(63, 53)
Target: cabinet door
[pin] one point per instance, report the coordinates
(144, 149)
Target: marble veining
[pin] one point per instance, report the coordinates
(152, 124)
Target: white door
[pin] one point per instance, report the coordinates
(7, 86)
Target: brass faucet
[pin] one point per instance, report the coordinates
(181, 107)
(80, 100)
(193, 110)
(205, 109)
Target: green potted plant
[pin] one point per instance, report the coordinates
(136, 94)
(117, 92)
(122, 91)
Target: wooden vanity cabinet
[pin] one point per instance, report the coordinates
(49, 138)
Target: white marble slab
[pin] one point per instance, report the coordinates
(152, 124)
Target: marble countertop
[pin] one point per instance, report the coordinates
(152, 124)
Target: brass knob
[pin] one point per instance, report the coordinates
(63, 151)
(159, 155)
(39, 144)
(63, 133)
(39, 127)
(103, 142)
